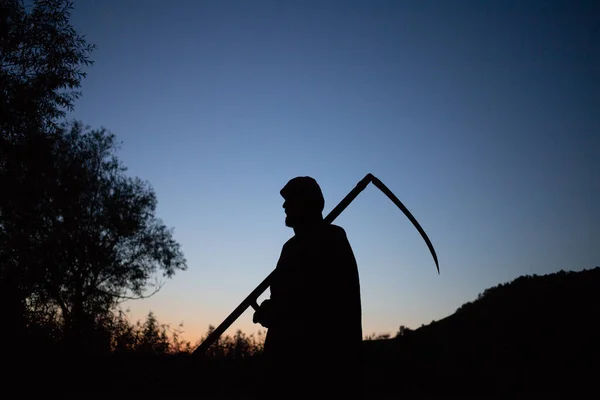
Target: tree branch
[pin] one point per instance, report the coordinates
(125, 298)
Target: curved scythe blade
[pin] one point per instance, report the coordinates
(412, 219)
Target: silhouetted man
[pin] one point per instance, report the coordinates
(313, 347)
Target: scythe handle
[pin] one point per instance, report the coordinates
(251, 299)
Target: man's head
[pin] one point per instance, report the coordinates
(304, 201)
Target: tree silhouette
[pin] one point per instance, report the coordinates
(41, 61)
(402, 331)
(41, 65)
(153, 337)
(77, 235)
(94, 240)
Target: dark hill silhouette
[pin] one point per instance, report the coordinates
(534, 334)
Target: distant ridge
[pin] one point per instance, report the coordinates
(534, 334)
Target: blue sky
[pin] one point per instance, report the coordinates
(480, 116)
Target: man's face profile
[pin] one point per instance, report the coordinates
(292, 213)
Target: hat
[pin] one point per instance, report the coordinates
(306, 190)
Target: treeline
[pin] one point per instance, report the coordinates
(117, 334)
(152, 338)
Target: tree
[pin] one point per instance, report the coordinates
(97, 240)
(77, 235)
(402, 331)
(41, 61)
(153, 337)
(41, 65)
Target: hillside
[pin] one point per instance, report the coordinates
(536, 333)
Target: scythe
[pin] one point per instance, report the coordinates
(250, 300)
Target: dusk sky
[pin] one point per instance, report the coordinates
(481, 116)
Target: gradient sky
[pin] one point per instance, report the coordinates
(482, 117)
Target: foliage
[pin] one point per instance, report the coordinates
(41, 64)
(41, 61)
(92, 238)
(149, 337)
(403, 331)
(77, 235)
(378, 336)
(153, 338)
(234, 347)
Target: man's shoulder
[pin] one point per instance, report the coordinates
(336, 230)
(335, 233)
(290, 242)
(328, 230)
